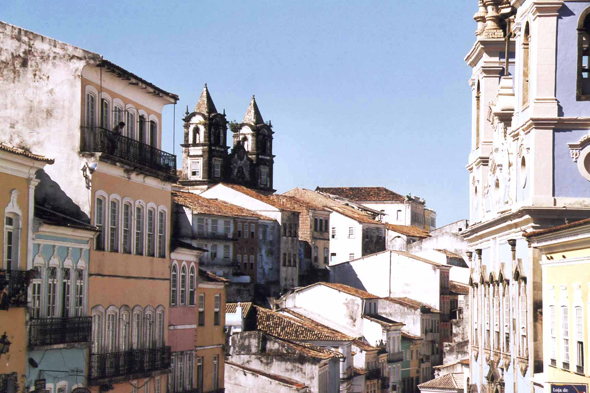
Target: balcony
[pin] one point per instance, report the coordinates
(15, 282)
(373, 374)
(385, 383)
(425, 359)
(54, 331)
(215, 236)
(128, 364)
(128, 150)
(393, 357)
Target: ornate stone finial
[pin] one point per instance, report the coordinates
(480, 18)
(469, 255)
(492, 29)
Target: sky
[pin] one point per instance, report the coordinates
(360, 93)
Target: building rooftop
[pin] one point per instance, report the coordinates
(214, 207)
(381, 320)
(294, 203)
(25, 153)
(410, 303)
(342, 288)
(230, 308)
(464, 361)
(408, 255)
(459, 288)
(408, 230)
(208, 276)
(451, 381)
(274, 377)
(558, 228)
(448, 253)
(411, 336)
(51, 217)
(364, 194)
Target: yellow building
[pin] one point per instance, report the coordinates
(17, 195)
(210, 340)
(565, 261)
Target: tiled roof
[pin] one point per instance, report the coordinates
(208, 276)
(363, 345)
(364, 194)
(343, 288)
(451, 381)
(312, 350)
(316, 324)
(268, 199)
(464, 361)
(230, 308)
(290, 328)
(278, 378)
(459, 288)
(205, 104)
(448, 253)
(22, 152)
(180, 244)
(411, 303)
(253, 115)
(359, 371)
(558, 228)
(353, 213)
(408, 230)
(408, 255)
(384, 321)
(411, 336)
(214, 207)
(294, 204)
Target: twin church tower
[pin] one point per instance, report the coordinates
(205, 157)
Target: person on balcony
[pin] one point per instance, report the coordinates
(114, 137)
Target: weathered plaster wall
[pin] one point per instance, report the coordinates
(410, 317)
(342, 245)
(71, 360)
(239, 380)
(41, 105)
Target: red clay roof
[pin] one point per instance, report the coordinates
(453, 381)
(411, 303)
(364, 194)
(22, 152)
(459, 288)
(411, 337)
(232, 307)
(208, 276)
(273, 200)
(213, 207)
(448, 253)
(278, 378)
(344, 288)
(557, 228)
(408, 230)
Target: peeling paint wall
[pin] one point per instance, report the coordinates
(40, 85)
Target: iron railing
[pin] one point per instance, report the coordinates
(15, 282)
(135, 361)
(53, 331)
(385, 383)
(373, 374)
(395, 357)
(101, 140)
(215, 236)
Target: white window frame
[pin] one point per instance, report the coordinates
(151, 230)
(162, 230)
(195, 169)
(127, 229)
(114, 223)
(183, 284)
(139, 226)
(192, 285)
(174, 284)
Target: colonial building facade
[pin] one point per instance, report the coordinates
(528, 169)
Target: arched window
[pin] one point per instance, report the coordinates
(162, 234)
(579, 340)
(150, 335)
(111, 331)
(191, 287)
(174, 286)
(497, 344)
(151, 232)
(565, 333)
(553, 331)
(66, 291)
(183, 285)
(153, 133)
(583, 91)
(79, 301)
(127, 225)
(139, 230)
(11, 241)
(506, 318)
(105, 120)
(36, 293)
(475, 315)
(523, 320)
(477, 117)
(160, 327)
(487, 316)
(130, 125)
(90, 109)
(525, 65)
(97, 322)
(136, 328)
(114, 226)
(99, 211)
(124, 328)
(52, 292)
(142, 129)
(117, 115)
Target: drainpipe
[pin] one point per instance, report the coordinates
(389, 274)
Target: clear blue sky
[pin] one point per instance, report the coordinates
(360, 93)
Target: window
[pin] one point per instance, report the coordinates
(162, 234)
(79, 305)
(227, 228)
(36, 292)
(216, 169)
(333, 232)
(99, 222)
(477, 117)
(246, 230)
(149, 330)
(136, 330)
(399, 215)
(51, 292)
(190, 369)
(315, 224)
(90, 110)
(552, 328)
(142, 125)
(216, 309)
(583, 56)
(124, 331)
(200, 374)
(201, 309)
(226, 251)
(523, 321)
(130, 124)
(153, 134)
(151, 233)
(105, 119)
(183, 285)
(525, 66)
(195, 169)
(127, 212)
(161, 329)
(11, 236)
(351, 232)
(252, 231)
(139, 230)
(565, 334)
(252, 262)
(239, 229)
(200, 226)
(215, 372)
(157, 386)
(326, 261)
(214, 226)
(117, 115)
(191, 286)
(111, 332)
(114, 227)
(264, 176)
(351, 256)
(213, 253)
(66, 291)
(315, 254)
(173, 285)
(97, 332)
(506, 318)
(579, 340)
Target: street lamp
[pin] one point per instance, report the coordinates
(4, 344)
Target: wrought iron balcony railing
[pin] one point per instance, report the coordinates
(373, 374)
(15, 283)
(101, 140)
(53, 331)
(215, 236)
(393, 357)
(127, 363)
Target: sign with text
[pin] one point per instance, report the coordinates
(567, 388)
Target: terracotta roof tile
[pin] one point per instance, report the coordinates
(411, 303)
(411, 336)
(295, 204)
(384, 321)
(230, 308)
(279, 203)
(316, 324)
(448, 253)
(451, 381)
(278, 378)
(359, 371)
(346, 289)
(208, 276)
(408, 230)
(22, 152)
(214, 207)
(459, 288)
(364, 194)
(557, 228)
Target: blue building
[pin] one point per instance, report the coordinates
(529, 169)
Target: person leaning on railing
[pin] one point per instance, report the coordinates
(114, 137)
